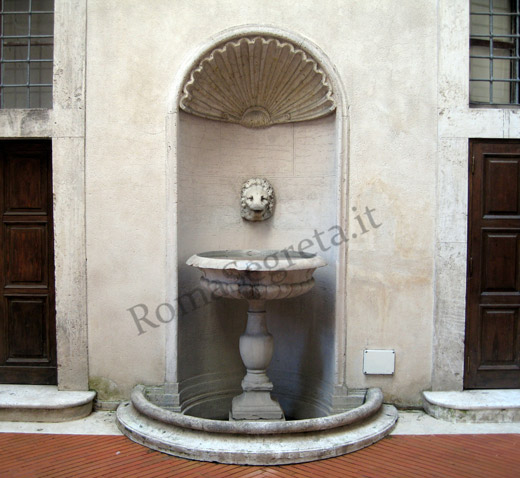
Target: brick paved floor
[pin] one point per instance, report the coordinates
(61, 456)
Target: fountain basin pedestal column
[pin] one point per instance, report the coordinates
(256, 276)
(256, 350)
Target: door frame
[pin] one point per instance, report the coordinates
(470, 381)
(451, 237)
(24, 370)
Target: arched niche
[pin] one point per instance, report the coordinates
(217, 138)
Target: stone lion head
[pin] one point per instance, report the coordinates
(257, 200)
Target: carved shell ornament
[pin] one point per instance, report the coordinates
(258, 82)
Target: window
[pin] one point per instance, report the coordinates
(26, 52)
(494, 52)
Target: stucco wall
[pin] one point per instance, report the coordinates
(386, 55)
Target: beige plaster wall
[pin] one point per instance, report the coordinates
(392, 169)
(385, 53)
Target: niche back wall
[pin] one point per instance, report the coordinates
(214, 159)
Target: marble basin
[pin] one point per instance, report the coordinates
(256, 276)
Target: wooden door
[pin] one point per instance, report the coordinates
(493, 294)
(27, 317)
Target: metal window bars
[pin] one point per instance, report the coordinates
(497, 48)
(26, 53)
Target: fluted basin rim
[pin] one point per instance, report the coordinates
(373, 402)
(256, 260)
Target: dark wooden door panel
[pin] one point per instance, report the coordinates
(493, 295)
(498, 348)
(27, 317)
(26, 327)
(500, 261)
(26, 183)
(499, 337)
(26, 255)
(505, 171)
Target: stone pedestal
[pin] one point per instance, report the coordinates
(256, 350)
(251, 275)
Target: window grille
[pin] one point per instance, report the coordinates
(26, 53)
(494, 52)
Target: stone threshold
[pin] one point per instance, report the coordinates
(474, 406)
(43, 403)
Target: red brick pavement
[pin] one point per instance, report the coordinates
(400, 456)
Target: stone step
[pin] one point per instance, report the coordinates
(43, 403)
(255, 442)
(474, 406)
(254, 449)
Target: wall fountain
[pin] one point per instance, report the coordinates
(257, 103)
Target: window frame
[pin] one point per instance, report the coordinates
(488, 40)
(31, 40)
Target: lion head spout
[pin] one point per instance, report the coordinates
(257, 200)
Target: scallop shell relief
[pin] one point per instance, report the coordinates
(258, 82)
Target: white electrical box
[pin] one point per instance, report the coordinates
(378, 362)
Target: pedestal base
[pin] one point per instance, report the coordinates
(256, 405)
